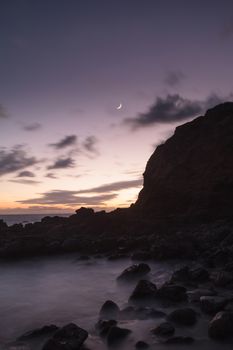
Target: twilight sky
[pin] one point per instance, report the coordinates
(65, 67)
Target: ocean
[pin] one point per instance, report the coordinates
(12, 219)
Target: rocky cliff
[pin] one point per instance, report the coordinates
(192, 172)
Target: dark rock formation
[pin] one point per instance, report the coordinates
(172, 292)
(134, 272)
(211, 305)
(179, 340)
(191, 174)
(116, 335)
(45, 330)
(164, 329)
(141, 345)
(221, 326)
(144, 290)
(185, 316)
(109, 310)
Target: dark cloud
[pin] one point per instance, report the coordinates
(3, 112)
(114, 186)
(15, 160)
(174, 78)
(26, 173)
(26, 182)
(51, 176)
(174, 108)
(32, 127)
(68, 198)
(67, 141)
(62, 163)
(90, 144)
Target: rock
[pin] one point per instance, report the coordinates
(179, 340)
(69, 337)
(103, 327)
(191, 174)
(164, 329)
(172, 292)
(212, 304)
(185, 316)
(188, 275)
(45, 330)
(141, 345)
(181, 275)
(222, 278)
(144, 289)
(134, 272)
(199, 274)
(109, 310)
(221, 326)
(116, 335)
(196, 294)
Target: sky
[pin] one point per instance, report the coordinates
(89, 88)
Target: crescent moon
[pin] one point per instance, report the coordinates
(120, 106)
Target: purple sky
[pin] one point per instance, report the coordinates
(65, 66)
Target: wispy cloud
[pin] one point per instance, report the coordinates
(51, 176)
(26, 173)
(67, 141)
(3, 112)
(62, 163)
(68, 198)
(32, 127)
(15, 159)
(174, 78)
(90, 143)
(26, 182)
(114, 186)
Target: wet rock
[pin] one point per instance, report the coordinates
(221, 326)
(185, 316)
(117, 334)
(188, 275)
(195, 295)
(144, 289)
(212, 304)
(172, 292)
(103, 327)
(222, 278)
(141, 345)
(179, 340)
(69, 337)
(45, 330)
(163, 329)
(181, 275)
(134, 272)
(109, 310)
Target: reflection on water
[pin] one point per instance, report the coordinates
(61, 290)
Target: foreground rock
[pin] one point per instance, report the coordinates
(179, 340)
(69, 337)
(164, 329)
(109, 310)
(211, 305)
(45, 330)
(185, 316)
(134, 272)
(103, 327)
(172, 292)
(144, 290)
(221, 326)
(117, 335)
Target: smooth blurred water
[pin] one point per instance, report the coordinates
(61, 290)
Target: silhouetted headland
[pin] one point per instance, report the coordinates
(184, 209)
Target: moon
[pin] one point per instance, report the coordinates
(119, 107)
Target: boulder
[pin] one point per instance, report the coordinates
(222, 278)
(185, 316)
(109, 310)
(144, 289)
(164, 329)
(212, 304)
(221, 326)
(45, 330)
(116, 335)
(172, 292)
(179, 340)
(134, 272)
(69, 337)
(141, 345)
(196, 294)
(103, 327)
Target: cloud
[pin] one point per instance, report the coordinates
(26, 182)
(114, 186)
(32, 127)
(89, 144)
(62, 163)
(67, 141)
(68, 198)
(15, 160)
(174, 78)
(174, 108)
(51, 176)
(26, 173)
(3, 112)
